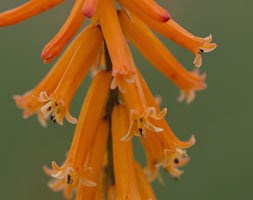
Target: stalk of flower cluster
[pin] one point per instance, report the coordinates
(113, 99)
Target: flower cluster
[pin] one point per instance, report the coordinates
(119, 105)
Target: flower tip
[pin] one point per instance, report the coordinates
(208, 46)
(49, 53)
(158, 100)
(188, 96)
(192, 140)
(55, 166)
(25, 116)
(89, 7)
(163, 112)
(88, 11)
(46, 58)
(177, 174)
(4, 20)
(47, 170)
(16, 97)
(42, 120)
(166, 16)
(18, 100)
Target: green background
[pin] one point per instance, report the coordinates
(220, 117)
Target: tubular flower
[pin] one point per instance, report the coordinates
(160, 57)
(80, 164)
(55, 92)
(139, 111)
(119, 105)
(122, 63)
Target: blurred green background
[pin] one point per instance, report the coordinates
(220, 117)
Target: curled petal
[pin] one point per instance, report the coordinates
(87, 182)
(188, 97)
(128, 136)
(207, 46)
(153, 128)
(43, 97)
(61, 174)
(56, 185)
(184, 144)
(120, 80)
(198, 60)
(70, 118)
(41, 119)
(154, 115)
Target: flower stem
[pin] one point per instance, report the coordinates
(113, 100)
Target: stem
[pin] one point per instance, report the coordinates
(108, 62)
(113, 99)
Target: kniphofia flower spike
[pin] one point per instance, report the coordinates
(100, 163)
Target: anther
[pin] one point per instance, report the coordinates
(52, 118)
(105, 117)
(49, 108)
(69, 179)
(141, 131)
(176, 160)
(201, 50)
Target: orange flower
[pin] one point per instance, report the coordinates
(144, 187)
(122, 63)
(179, 35)
(28, 102)
(160, 57)
(58, 88)
(81, 165)
(95, 159)
(139, 111)
(126, 183)
(58, 102)
(163, 149)
(100, 163)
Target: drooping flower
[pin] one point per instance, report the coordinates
(53, 95)
(160, 57)
(81, 165)
(123, 158)
(100, 163)
(121, 58)
(139, 111)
